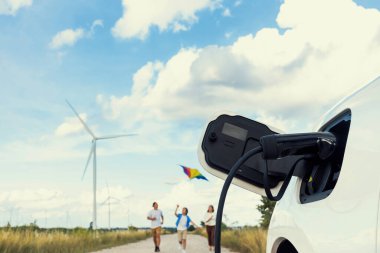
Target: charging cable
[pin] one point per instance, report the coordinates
(223, 194)
(284, 184)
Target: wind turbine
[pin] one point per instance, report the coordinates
(108, 202)
(93, 154)
(11, 211)
(122, 201)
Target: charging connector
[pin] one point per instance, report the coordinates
(281, 145)
(275, 146)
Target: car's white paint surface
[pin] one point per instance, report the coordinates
(347, 220)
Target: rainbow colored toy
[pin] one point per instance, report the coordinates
(193, 173)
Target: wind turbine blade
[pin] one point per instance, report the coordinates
(88, 160)
(81, 120)
(105, 201)
(171, 183)
(115, 199)
(108, 190)
(114, 136)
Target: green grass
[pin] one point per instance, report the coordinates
(245, 240)
(64, 241)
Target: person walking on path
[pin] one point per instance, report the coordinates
(209, 221)
(157, 219)
(182, 224)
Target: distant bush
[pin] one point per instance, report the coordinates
(132, 228)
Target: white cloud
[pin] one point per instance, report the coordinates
(178, 27)
(141, 15)
(71, 125)
(10, 7)
(44, 149)
(96, 23)
(238, 3)
(226, 13)
(66, 37)
(228, 35)
(118, 194)
(34, 199)
(285, 77)
(70, 37)
(22, 206)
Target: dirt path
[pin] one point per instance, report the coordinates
(196, 244)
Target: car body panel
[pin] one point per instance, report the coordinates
(346, 221)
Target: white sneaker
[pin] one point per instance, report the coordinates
(179, 246)
(183, 251)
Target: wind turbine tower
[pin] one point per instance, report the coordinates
(92, 154)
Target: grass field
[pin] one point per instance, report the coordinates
(16, 240)
(35, 240)
(245, 240)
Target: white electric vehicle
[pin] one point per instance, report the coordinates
(330, 203)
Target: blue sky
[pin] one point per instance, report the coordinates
(162, 73)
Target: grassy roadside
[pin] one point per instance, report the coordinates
(64, 241)
(245, 240)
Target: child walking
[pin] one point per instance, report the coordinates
(182, 224)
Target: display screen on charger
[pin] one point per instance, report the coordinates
(234, 131)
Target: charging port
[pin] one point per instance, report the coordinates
(322, 176)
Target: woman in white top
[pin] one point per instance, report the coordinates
(209, 221)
